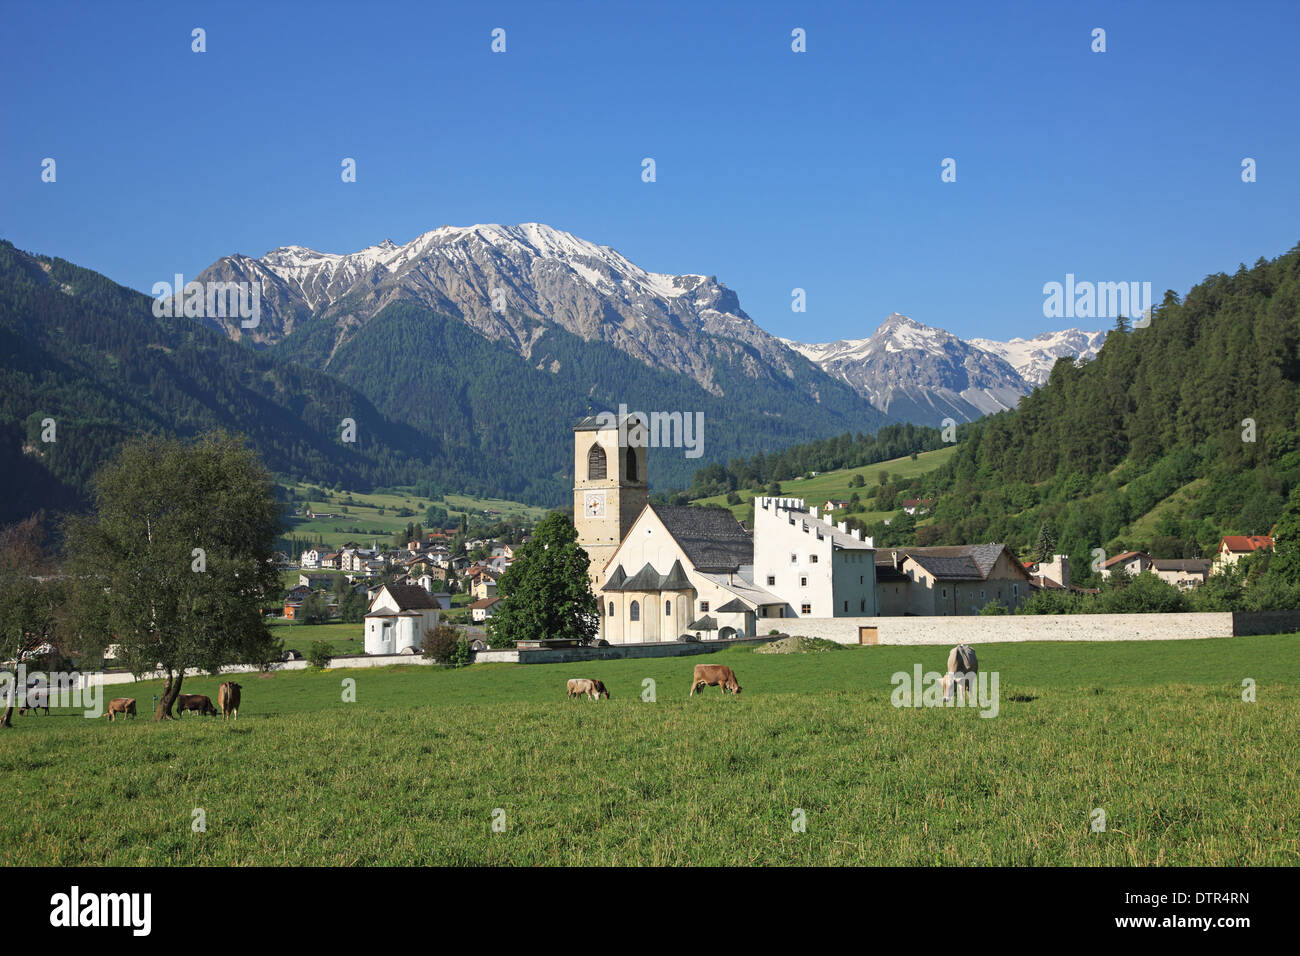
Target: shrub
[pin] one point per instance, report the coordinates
(440, 644)
(320, 654)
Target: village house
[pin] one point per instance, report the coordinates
(1182, 573)
(917, 506)
(1234, 547)
(483, 609)
(1132, 562)
(950, 580)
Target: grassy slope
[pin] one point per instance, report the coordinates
(835, 484)
(363, 515)
(1154, 733)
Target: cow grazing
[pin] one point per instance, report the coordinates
(196, 702)
(962, 671)
(120, 705)
(714, 675)
(36, 698)
(228, 699)
(592, 688)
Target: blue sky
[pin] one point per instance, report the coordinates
(775, 170)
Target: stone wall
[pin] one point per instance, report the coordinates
(1010, 628)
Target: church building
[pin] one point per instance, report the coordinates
(658, 571)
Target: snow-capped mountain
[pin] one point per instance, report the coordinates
(1034, 358)
(914, 372)
(510, 284)
(518, 286)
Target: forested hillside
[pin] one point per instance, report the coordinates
(484, 402)
(89, 354)
(1176, 434)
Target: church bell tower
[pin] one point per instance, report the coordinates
(609, 485)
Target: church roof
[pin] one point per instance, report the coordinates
(410, 597)
(615, 582)
(734, 606)
(711, 537)
(601, 422)
(705, 623)
(648, 579)
(675, 579)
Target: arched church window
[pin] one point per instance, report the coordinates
(631, 465)
(596, 463)
(634, 611)
(668, 608)
(611, 608)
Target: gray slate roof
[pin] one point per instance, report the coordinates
(648, 579)
(959, 562)
(711, 537)
(411, 597)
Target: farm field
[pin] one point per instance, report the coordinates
(835, 484)
(363, 520)
(1154, 733)
(343, 638)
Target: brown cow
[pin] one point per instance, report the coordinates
(120, 705)
(228, 699)
(36, 698)
(714, 675)
(198, 702)
(592, 688)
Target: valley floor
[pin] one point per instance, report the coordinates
(418, 768)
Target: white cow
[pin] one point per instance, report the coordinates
(962, 671)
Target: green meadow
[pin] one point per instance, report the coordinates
(375, 515)
(835, 484)
(417, 768)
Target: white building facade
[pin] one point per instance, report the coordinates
(818, 569)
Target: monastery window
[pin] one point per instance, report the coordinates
(862, 606)
(812, 559)
(803, 582)
(596, 467)
(631, 464)
(805, 609)
(634, 611)
(668, 608)
(704, 607)
(611, 608)
(771, 580)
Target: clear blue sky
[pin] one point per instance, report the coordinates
(818, 170)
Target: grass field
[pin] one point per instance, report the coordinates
(343, 638)
(835, 484)
(1155, 734)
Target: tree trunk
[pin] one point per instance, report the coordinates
(170, 693)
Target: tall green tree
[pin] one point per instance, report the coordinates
(544, 593)
(30, 595)
(177, 559)
(1285, 562)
